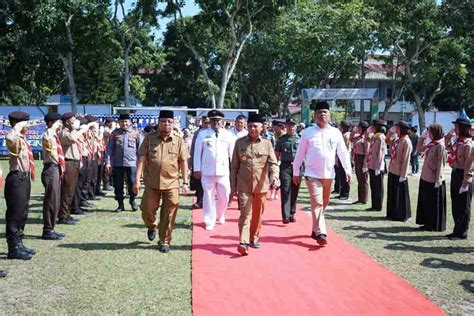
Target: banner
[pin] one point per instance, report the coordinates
(33, 136)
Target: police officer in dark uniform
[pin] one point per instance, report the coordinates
(285, 151)
(18, 186)
(121, 159)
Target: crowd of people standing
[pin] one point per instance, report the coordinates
(252, 160)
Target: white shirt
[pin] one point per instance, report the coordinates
(238, 134)
(212, 153)
(318, 148)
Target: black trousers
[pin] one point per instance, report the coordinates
(431, 206)
(289, 191)
(398, 199)
(17, 197)
(52, 195)
(79, 193)
(461, 204)
(376, 189)
(119, 174)
(343, 185)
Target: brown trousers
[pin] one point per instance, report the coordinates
(362, 178)
(169, 207)
(319, 194)
(52, 195)
(252, 206)
(68, 187)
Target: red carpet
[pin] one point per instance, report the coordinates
(291, 275)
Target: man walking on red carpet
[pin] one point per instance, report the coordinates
(319, 145)
(252, 159)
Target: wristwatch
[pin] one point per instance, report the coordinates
(185, 183)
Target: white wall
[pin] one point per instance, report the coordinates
(442, 118)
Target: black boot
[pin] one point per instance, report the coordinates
(15, 251)
(3, 273)
(32, 251)
(120, 207)
(133, 205)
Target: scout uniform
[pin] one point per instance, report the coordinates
(122, 154)
(249, 178)
(54, 167)
(69, 137)
(461, 161)
(398, 194)
(341, 185)
(161, 178)
(18, 187)
(375, 161)
(80, 194)
(431, 206)
(286, 149)
(359, 151)
(93, 166)
(212, 154)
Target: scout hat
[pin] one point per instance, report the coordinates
(255, 118)
(109, 120)
(215, 114)
(124, 116)
(462, 121)
(403, 124)
(18, 116)
(166, 114)
(364, 124)
(90, 118)
(379, 122)
(52, 116)
(66, 116)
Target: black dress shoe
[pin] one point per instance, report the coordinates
(86, 204)
(134, 206)
(164, 248)
(450, 235)
(66, 221)
(120, 208)
(3, 274)
(62, 235)
(455, 237)
(321, 240)
(255, 244)
(151, 234)
(286, 221)
(50, 235)
(243, 249)
(77, 212)
(343, 198)
(358, 202)
(292, 219)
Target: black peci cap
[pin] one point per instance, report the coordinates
(166, 114)
(255, 118)
(321, 105)
(66, 116)
(124, 116)
(52, 116)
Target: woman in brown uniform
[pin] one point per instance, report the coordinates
(375, 161)
(460, 159)
(431, 208)
(398, 197)
(359, 151)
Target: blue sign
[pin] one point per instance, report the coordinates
(33, 136)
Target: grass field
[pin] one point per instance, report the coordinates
(106, 265)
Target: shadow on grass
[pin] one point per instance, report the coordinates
(468, 285)
(142, 226)
(389, 229)
(374, 235)
(31, 220)
(436, 263)
(338, 217)
(120, 246)
(3, 235)
(436, 250)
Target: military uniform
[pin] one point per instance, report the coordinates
(161, 178)
(18, 188)
(54, 167)
(286, 148)
(122, 154)
(212, 154)
(250, 163)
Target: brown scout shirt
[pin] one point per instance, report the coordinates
(464, 161)
(399, 165)
(434, 162)
(250, 163)
(50, 147)
(162, 160)
(376, 153)
(18, 152)
(360, 145)
(69, 140)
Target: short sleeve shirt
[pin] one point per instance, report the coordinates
(162, 158)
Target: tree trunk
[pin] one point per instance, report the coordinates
(388, 105)
(126, 79)
(69, 65)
